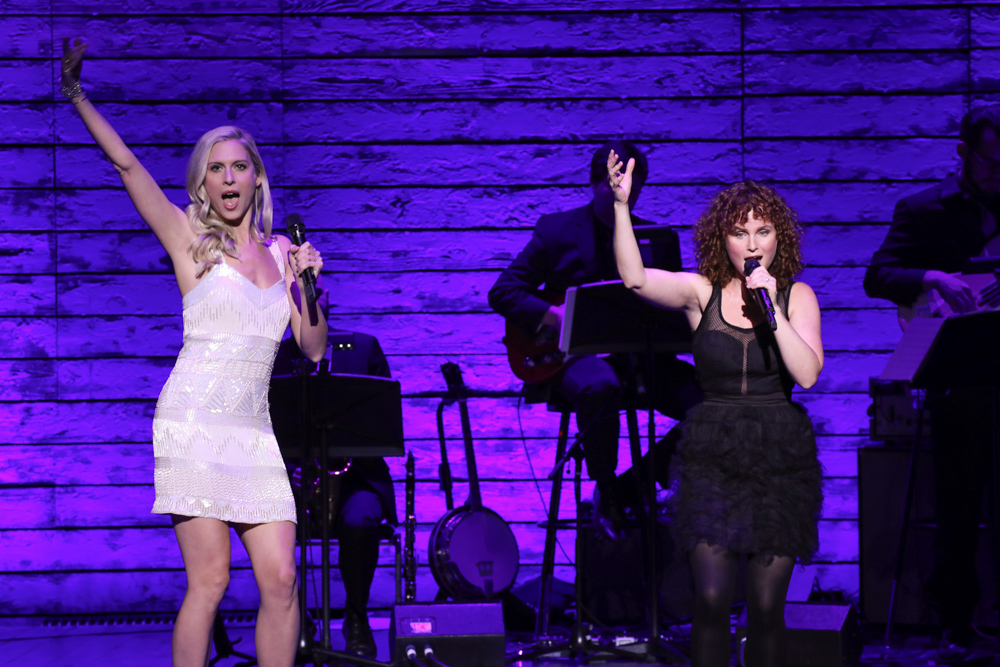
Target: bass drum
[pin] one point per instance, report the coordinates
(473, 554)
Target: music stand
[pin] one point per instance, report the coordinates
(938, 353)
(607, 317)
(349, 416)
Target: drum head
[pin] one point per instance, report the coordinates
(483, 550)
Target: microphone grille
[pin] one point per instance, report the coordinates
(749, 265)
(294, 221)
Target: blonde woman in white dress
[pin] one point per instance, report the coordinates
(217, 462)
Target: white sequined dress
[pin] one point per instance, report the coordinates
(215, 451)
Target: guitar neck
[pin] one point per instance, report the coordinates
(456, 386)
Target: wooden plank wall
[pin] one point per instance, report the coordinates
(420, 140)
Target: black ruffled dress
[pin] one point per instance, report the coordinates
(749, 478)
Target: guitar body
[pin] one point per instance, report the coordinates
(535, 358)
(473, 554)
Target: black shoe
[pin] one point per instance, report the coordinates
(609, 516)
(358, 634)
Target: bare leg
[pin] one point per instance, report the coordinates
(714, 585)
(272, 552)
(204, 546)
(767, 588)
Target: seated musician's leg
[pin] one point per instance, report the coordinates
(358, 530)
(591, 385)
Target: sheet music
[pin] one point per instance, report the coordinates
(912, 349)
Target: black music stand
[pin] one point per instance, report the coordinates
(349, 416)
(607, 317)
(958, 351)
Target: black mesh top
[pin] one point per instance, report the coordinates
(732, 362)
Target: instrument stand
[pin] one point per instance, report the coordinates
(958, 351)
(224, 648)
(607, 317)
(363, 414)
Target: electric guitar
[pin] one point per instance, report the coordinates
(535, 358)
(985, 290)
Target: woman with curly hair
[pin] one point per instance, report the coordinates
(749, 478)
(216, 460)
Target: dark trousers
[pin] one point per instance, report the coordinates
(594, 387)
(962, 435)
(357, 528)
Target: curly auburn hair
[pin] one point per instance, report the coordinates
(730, 208)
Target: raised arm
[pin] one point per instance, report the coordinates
(681, 291)
(167, 221)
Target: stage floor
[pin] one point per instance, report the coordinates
(30, 643)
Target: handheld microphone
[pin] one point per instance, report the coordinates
(763, 298)
(297, 230)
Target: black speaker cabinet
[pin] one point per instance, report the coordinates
(819, 635)
(882, 472)
(461, 634)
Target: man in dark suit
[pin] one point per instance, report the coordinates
(933, 235)
(365, 497)
(568, 249)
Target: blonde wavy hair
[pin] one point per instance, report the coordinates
(213, 237)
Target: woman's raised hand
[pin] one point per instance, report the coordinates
(72, 61)
(621, 184)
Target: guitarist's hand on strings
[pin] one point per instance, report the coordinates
(553, 317)
(955, 291)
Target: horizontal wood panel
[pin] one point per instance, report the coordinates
(520, 502)
(511, 78)
(857, 29)
(480, 164)
(455, 208)
(27, 337)
(116, 421)
(787, 74)
(26, 36)
(28, 296)
(541, 35)
(850, 160)
(511, 459)
(25, 167)
(396, 251)
(27, 252)
(172, 123)
(156, 548)
(239, 76)
(514, 120)
(984, 26)
(26, 209)
(28, 380)
(25, 81)
(29, 123)
(846, 116)
(199, 35)
(145, 592)
(468, 333)
(185, 7)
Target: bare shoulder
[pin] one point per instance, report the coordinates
(284, 244)
(801, 293)
(802, 302)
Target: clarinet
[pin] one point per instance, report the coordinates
(409, 554)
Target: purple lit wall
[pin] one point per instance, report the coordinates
(420, 140)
